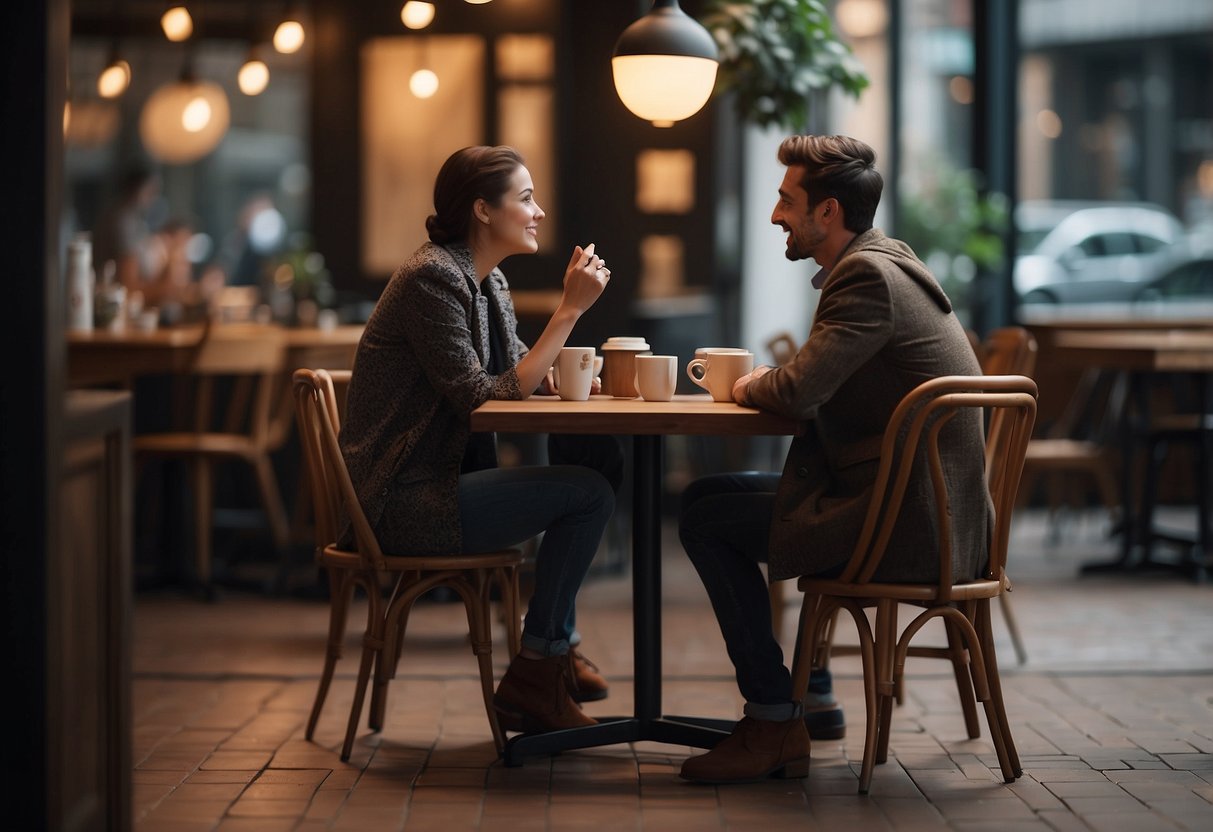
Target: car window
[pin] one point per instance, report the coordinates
(1147, 244)
(1027, 240)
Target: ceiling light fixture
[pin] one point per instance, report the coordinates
(254, 75)
(417, 15)
(116, 76)
(177, 24)
(665, 65)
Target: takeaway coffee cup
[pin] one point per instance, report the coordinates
(656, 377)
(619, 365)
(573, 373)
(718, 369)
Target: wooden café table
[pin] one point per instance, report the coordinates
(648, 423)
(119, 357)
(1142, 356)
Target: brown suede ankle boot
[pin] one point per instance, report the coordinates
(756, 749)
(534, 696)
(589, 685)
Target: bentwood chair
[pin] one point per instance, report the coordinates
(368, 567)
(913, 438)
(231, 423)
(1010, 350)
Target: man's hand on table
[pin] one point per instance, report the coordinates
(740, 387)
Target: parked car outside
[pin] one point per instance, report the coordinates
(1187, 280)
(1084, 252)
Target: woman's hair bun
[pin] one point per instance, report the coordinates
(438, 234)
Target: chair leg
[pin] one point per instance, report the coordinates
(1008, 614)
(341, 590)
(479, 611)
(395, 626)
(964, 686)
(775, 592)
(203, 513)
(870, 669)
(507, 585)
(372, 647)
(994, 681)
(271, 501)
(886, 640)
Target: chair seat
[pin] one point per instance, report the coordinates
(215, 444)
(913, 593)
(1062, 453)
(350, 559)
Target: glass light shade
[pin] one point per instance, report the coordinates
(479, 2)
(665, 65)
(253, 77)
(417, 15)
(423, 83)
(177, 24)
(663, 88)
(184, 121)
(114, 79)
(289, 36)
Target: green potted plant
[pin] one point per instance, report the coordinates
(775, 53)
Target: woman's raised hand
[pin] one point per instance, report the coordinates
(584, 279)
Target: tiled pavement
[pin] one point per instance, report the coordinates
(1112, 715)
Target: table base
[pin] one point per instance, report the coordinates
(697, 732)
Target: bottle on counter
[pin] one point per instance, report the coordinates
(80, 283)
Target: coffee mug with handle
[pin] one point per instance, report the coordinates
(719, 369)
(573, 373)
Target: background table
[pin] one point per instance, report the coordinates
(1143, 355)
(648, 422)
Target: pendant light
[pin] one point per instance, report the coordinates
(417, 15)
(254, 75)
(177, 24)
(665, 65)
(289, 36)
(185, 120)
(116, 76)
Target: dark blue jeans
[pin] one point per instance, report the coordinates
(725, 526)
(570, 505)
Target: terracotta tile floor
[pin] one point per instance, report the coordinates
(1112, 715)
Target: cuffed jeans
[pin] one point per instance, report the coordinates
(570, 505)
(725, 526)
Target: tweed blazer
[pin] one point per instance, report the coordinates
(883, 326)
(418, 374)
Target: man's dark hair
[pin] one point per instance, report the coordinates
(838, 167)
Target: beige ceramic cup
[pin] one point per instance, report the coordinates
(719, 369)
(573, 373)
(656, 377)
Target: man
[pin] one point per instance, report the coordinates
(883, 326)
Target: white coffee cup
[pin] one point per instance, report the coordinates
(573, 373)
(719, 369)
(656, 377)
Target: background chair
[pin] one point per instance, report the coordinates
(235, 426)
(1009, 350)
(366, 565)
(963, 606)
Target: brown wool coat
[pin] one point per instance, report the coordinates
(883, 326)
(418, 374)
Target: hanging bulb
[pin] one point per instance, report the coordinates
(665, 65)
(289, 37)
(196, 115)
(479, 2)
(254, 75)
(177, 24)
(423, 83)
(114, 79)
(417, 15)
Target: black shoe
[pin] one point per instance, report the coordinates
(828, 724)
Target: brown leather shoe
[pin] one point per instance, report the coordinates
(589, 685)
(534, 696)
(756, 749)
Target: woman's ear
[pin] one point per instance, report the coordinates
(480, 210)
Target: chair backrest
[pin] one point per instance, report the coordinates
(782, 347)
(1009, 350)
(333, 494)
(254, 357)
(913, 433)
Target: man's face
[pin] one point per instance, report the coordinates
(792, 214)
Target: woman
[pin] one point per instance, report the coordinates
(441, 341)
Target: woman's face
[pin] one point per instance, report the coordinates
(513, 223)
